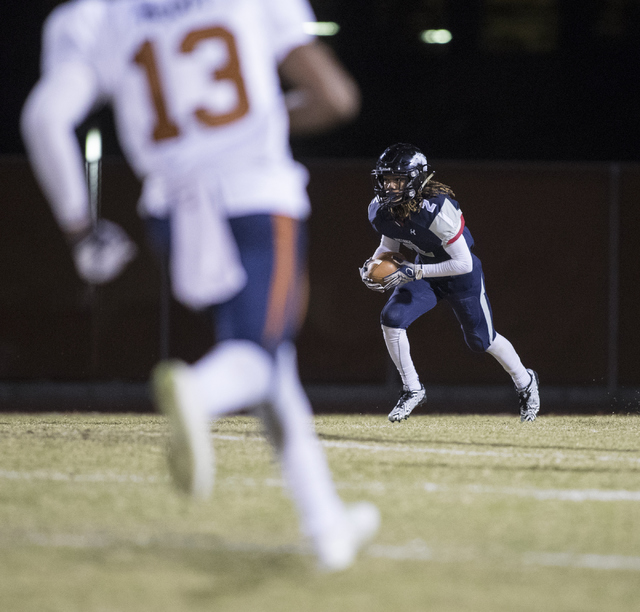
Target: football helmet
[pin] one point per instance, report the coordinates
(400, 174)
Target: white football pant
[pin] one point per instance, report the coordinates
(239, 374)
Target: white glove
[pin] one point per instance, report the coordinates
(371, 284)
(102, 255)
(406, 273)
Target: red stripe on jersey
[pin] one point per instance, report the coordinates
(459, 231)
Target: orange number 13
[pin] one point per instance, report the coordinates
(165, 127)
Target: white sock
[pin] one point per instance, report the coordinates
(502, 350)
(289, 421)
(399, 350)
(233, 376)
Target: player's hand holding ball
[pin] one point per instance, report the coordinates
(386, 271)
(406, 273)
(370, 283)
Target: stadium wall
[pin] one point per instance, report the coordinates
(556, 241)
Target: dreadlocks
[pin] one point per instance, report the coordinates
(432, 188)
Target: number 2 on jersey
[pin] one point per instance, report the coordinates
(165, 127)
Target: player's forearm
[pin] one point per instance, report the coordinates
(48, 128)
(460, 262)
(386, 245)
(310, 114)
(58, 167)
(445, 268)
(323, 94)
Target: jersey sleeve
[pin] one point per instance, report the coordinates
(386, 245)
(460, 262)
(287, 19)
(448, 224)
(372, 211)
(70, 34)
(62, 98)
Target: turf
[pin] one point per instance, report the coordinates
(479, 513)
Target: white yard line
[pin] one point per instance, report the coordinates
(376, 448)
(105, 477)
(546, 453)
(572, 495)
(597, 562)
(504, 454)
(414, 551)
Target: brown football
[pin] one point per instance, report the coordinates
(383, 265)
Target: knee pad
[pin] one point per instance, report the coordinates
(392, 315)
(475, 342)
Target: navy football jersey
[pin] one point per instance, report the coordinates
(438, 222)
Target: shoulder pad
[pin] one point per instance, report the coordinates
(71, 31)
(435, 203)
(374, 207)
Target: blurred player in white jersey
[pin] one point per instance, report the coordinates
(202, 118)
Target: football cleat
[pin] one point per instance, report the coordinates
(338, 550)
(190, 451)
(529, 399)
(409, 400)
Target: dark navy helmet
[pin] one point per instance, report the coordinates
(400, 174)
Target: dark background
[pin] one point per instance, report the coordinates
(520, 79)
(530, 113)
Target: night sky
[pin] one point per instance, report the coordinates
(576, 101)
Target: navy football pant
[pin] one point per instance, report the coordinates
(465, 294)
(272, 305)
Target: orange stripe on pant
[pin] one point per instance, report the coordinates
(283, 277)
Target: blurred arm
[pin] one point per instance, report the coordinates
(323, 94)
(59, 102)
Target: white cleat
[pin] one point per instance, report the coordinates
(191, 460)
(529, 399)
(338, 550)
(409, 400)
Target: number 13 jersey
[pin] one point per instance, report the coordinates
(194, 87)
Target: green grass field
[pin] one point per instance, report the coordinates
(479, 514)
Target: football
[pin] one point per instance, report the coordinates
(383, 265)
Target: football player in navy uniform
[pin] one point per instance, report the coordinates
(411, 209)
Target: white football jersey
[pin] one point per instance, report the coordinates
(195, 88)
